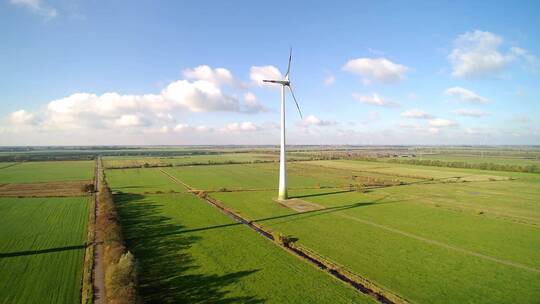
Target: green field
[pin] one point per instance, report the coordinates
(31, 172)
(189, 252)
(478, 159)
(131, 161)
(140, 181)
(42, 244)
(427, 241)
(428, 234)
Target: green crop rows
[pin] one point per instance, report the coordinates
(31, 172)
(428, 234)
(474, 240)
(189, 252)
(42, 243)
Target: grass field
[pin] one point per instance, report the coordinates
(113, 162)
(189, 252)
(428, 234)
(42, 243)
(474, 241)
(31, 172)
(477, 159)
(140, 181)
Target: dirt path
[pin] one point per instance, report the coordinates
(98, 275)
(440, 244)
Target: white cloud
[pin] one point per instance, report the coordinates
(470, 112)
(376, 69)
(375, 100)
(247, 126)
(22, 117)
(476, 131)
(478, 54)
(312, 120)
(217, 76)
(191, 129)
(258, 73)
(329, 80)
(181, 127)
(532, 62)
(113, 110)
(37, 6)
(521, 118)
(252, 104)
(128, 120)
(433, 130)
(203, 128)
(416, 113)
(199, 96)
(439, 122)
(466, 95)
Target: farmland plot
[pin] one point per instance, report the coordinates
(31, 172)
(42, 244)
(264, 176)
(189, 252)
(140, 181)
(118, 162)
(401, 238)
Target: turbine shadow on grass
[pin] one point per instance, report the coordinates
(165, 264)
(321, 194)
(132, 237)
(40, 251)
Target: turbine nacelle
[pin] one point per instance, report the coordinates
(285, 82)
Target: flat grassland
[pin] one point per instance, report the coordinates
(42, 244)
(31, 172)
(435, 234)
(478, 159)
(134, 161)
(189, 252)
(140, 181)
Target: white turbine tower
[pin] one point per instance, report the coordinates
(282, 195)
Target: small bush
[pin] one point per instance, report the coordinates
(281, 239)
(88, 188)
(121, 280)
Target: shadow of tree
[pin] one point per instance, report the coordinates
(41, 251)
(165, 263)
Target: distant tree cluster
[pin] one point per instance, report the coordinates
(533, 168)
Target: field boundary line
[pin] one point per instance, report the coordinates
(98, 275)
(339, 272)
(488, 213)
(10, 165)
(421, 177)
(205, 164)
(440, 244)
(87, 286)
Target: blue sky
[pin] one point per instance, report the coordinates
(170, 72)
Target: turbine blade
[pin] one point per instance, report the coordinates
(295, 101)
(289, 65)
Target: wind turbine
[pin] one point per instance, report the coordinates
(286, 82)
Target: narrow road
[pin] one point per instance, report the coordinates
(98, 275)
